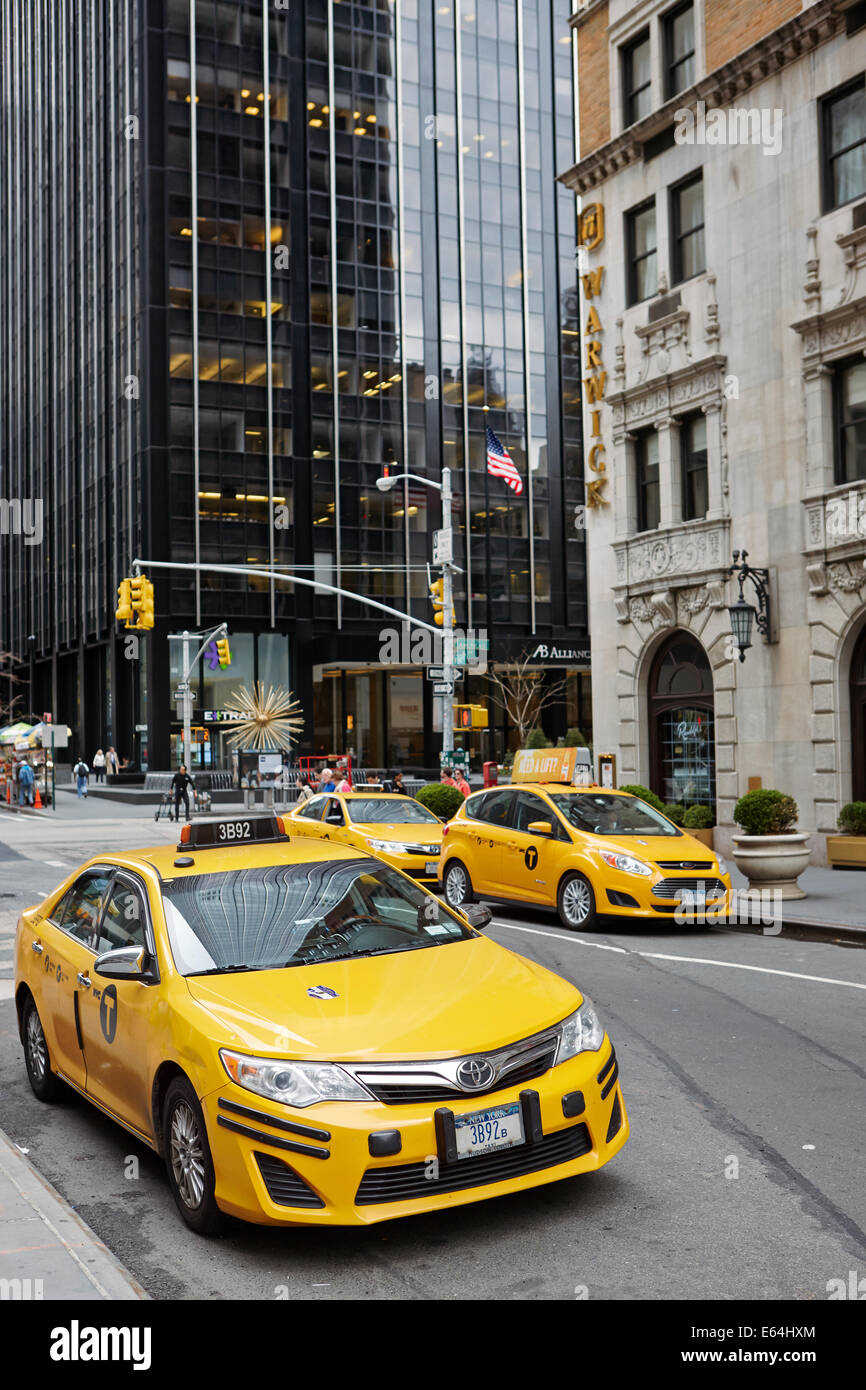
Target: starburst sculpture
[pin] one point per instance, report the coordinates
(265, 721)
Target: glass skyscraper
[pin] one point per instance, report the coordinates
(299, 244)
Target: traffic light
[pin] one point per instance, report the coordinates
(135, 600)
(146, 615)
(223, 653)
(123, 612)
(437, 598)
(470, 717)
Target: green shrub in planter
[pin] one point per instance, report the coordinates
(852, 818)
(537, 738)
(645, 795)
(675, 812)
(698, 818)
(441, 799)
(573, 739)
(766, 812)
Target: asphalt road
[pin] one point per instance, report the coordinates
(743, 1064)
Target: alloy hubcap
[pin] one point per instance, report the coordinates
(187, 1156)
(576, 902)
(36, 1049)
(456, 886)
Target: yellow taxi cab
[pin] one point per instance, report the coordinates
(587, 851)
(306, 1035)
(395, 828)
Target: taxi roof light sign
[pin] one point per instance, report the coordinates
(572, 766)
(232, 830)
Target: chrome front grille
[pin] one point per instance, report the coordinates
(413, 1083)
(684, 863)
(676, 887)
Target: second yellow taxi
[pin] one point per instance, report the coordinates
(395, 828)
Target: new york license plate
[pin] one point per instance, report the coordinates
(431, 868)
(486, 1130)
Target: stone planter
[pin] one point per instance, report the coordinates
(705, 836)
(846, 851)
(772, 863)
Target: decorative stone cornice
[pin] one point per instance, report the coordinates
(793, 40)
(853, 247)
(833, 333)
(658, 398)
(683, 556)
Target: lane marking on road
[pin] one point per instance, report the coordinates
(56, 863)
(689, 960)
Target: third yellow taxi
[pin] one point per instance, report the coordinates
(394, 828)
(588, 851)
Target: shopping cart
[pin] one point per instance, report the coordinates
(165, 807)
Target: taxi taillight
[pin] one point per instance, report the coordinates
(444, 831)
(281, 825)
(185, 834)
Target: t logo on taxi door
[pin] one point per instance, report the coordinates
(108, 1013)
(530, 858)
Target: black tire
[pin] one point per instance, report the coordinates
(188, 1159)
(43, 1083)
(575, 902)
(457, 873)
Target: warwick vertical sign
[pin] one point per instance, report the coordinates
(590, 234)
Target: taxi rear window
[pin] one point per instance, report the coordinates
(284, 915)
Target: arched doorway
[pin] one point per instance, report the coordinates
(858, 719)
(682, 723)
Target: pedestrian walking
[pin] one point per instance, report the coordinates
(99, 766)
(307, 790)
(180, 785)
(397, 784)
(344, 785)
(81, 773)
(460, 782)
(446, 777)
(25, 784)
(112, 763)
(326, 780)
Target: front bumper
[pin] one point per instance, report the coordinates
(318, 1166)
(627, 895)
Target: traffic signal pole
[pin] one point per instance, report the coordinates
(186, 694)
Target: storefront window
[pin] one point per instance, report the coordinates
(682, 724)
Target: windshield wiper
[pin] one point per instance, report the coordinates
(230, 969)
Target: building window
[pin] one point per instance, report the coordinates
(687, 229)
(681, 712)
(850, 411)
(647, 469)
(844, 132)
(636, 79)
(641, 251)
(695, 475)
(679, 49)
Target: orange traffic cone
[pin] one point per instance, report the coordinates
(38, 802)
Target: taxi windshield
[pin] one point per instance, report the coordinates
(299, 914)
(600, 814)
(376, 810)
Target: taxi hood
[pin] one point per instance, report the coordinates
(442, 1001)
(408, 833)
(667, 849)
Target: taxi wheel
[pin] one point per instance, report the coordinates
(44, 1084)
(576, 903)
(188, 1159)
(457, 885)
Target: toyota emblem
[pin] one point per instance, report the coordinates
(475, 1073)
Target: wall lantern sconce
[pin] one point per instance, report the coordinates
(744, 614)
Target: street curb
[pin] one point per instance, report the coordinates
(72, 1237)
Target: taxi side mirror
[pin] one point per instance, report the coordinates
(477, 915)
(125, 963)
(540, 827)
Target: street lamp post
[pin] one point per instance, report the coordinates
(444, 560)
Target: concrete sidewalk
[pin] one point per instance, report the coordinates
(835, 901)
(45, 1248)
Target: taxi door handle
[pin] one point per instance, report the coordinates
(83, 979)
(37, 947)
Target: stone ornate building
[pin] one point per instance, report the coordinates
(723, 162)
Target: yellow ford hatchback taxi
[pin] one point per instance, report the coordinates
(586, 851)
(395, 828)
(306, 1035)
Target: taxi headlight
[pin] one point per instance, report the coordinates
(581, 1032)
(388, 846)
(292, 1083)
(626, 863)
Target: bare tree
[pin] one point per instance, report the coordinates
(519, 691)
(10, 702)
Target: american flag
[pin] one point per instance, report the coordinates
(500, 464)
